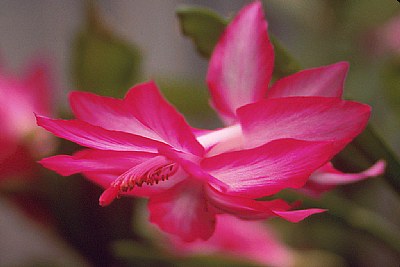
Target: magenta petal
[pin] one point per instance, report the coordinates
(90, 160)
(328, 175)
(325, 81)
(327, 178)
(108, 113)
(245, 208)
(305, 118)
(96, 137)
(242, 62)
(265, 170)
(297, 215)
(183, 211)
(152, 110)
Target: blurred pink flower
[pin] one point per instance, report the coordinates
(306, 105)
(141, 146)
(21, 140)
(388, 35)
(246, 240)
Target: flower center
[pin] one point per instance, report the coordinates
(222, 140)
(149, 172)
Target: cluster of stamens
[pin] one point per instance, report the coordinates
(150, 172)
(150, 177)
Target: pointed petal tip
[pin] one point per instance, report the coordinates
(296, 216)
(377, 169)
(150, 83)
(241, 64)
(39, 119)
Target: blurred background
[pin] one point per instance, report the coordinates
(56, 221)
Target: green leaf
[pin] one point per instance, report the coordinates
(203, 26)
(391, 83)
(284, 64)
(102, 62)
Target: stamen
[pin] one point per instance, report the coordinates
(108, 196)
(149, 172)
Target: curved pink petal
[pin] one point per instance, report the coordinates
(242, 62)
(325, 81)
(328, 175)
(265, 170)
(96, 137)
(108, 113)
(242, 207)
(327, 178)
(183, 211)
(90, 160)
(297, 215)
(238, 238)
(247, 208)
(305, 118)
(152, 110)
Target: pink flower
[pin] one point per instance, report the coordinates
(306, 105)
(388, 36)
(247, 240)
(141, 146)
(21, 140)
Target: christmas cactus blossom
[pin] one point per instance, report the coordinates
(141, 146)
(21, 140)
(306, 105)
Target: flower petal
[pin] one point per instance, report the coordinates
(305, 118)
(242, 207)
(96, 137)
(90, 160)
(297, 215)
(328, 175)
(183, 211)
(251, 240)
(327, 178)
(108, 113)
(265, 170)
(242, 62)
(152, 110)
(325, 81)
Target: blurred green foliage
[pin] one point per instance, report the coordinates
(203, 25)
(102, 62)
